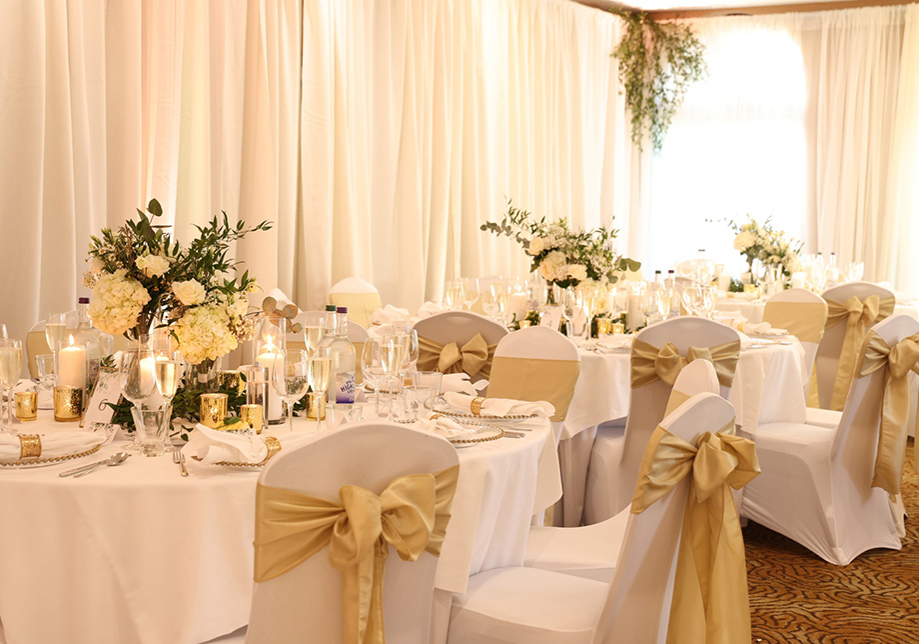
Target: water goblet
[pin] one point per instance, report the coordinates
(44, 364)
(10, 370)
(292, 377)
(470, 292)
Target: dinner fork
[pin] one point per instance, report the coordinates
(179, 457)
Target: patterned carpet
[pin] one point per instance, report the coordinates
(797, 597)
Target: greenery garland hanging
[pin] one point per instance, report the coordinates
(657, 63)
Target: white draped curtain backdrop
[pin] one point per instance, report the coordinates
(377, 135)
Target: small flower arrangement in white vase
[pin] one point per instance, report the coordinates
(764, 243)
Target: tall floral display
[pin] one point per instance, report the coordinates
(764, 243)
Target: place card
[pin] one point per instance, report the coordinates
(107, 389)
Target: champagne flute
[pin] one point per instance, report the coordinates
(470, 292)
(292, 378)
(55, 330)
(453, 295)
(392, 357)
(312, 334)
(664, 302)
(687, 299)
(709, 293)
(10, 370)
(372, 368)
(410, 355)
(318, 372)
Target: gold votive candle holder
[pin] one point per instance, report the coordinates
(253, 416)
(231, 381)
(213, 409)
(26, 405)
(750, 288)
(617, 328)
(604, 326)
(525, 324)
(315, 406)
(68, 403)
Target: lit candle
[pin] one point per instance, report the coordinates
(71, 370)
(798, 280)
(724, 282)
(267, 358)
(633, 316)
(517, 306)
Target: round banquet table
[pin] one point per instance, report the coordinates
(137, 553)
(752, 310)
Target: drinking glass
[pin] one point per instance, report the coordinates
(392, 359)
(453, 295)
(664, 302)
(3, 332)
(411, 351)
(491, 305)
(417, 398)
(10, 370)
(291, 378)
(44, 364)
(372, 368)
(470, 292)
(167, 372)
(152, 426)
(709, 295)
(686, 297)
(55, 329)
(501, 292)
(312, 334)
(137, 375)
(318, 372)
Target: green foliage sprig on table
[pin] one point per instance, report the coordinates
(658, 61)
(563, 256)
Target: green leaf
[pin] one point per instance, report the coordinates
(154, 208)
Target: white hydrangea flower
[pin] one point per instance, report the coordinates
(189, 293)
(117, 302)
(152, 265)
(553, 265)
(537, 245)
(204, 333)
(576, 271)
(744, 240)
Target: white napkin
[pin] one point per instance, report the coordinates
(609, 344)
(762, 328)
(459, 383)
(388, 314)
(430, 308)
(54, 444)
(441, 426)
(501, 406)
(212, 446)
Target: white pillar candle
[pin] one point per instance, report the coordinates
(71, 369)
(798, 280)
(633, 318)
(517, 306)
(267, 358)
(724, 282)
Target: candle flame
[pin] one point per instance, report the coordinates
(71, 339)
(270, 346)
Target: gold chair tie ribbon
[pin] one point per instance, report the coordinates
(474, 358)
(411, 515)
(710, 603)
(535, 379)
(859, 316)
(899, 360)
(650, 363)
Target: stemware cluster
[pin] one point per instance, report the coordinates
(386, 363)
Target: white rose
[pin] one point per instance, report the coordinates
(552, 267)
(152, 265)
(537, 245)
(576, 271)
(189, 293)
(743, 240)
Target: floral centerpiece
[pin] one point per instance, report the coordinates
(764, 243)
(564, 257)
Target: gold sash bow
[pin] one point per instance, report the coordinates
(899, 360)
(474, 358)
(710, 603)
(804, 320)
(411, 514)
(859, 316)
(650, 363)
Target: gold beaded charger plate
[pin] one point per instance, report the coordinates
(459, 414)
(245, 467)
(478, 433)
(27, 463)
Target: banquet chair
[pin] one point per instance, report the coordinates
(516, 605)
(816, 486)
(36, 345)
(853, 308)
(304, 603)
(360, 296)
(591, 551)
(458, 341)
(617, 452)
(802, 314)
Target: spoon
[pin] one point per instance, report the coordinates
(115, 459)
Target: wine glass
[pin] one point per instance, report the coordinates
(410, 356)
(44, 364)
(55, 330)
(453, 295)
(686, 297)
(312, 334)
(664, 302)
(137, 375)
(10, 370)
(372, 368)
(392, 360)
(470, 292)
(708, 296)
(292, 378)
(318, 372)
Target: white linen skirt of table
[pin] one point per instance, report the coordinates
(139, 554)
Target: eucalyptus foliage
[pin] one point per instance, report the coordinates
(658, 61)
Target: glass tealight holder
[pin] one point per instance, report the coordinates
(604, 326)
(68, 403)
(617, 328)
(213, 409)
(253, 416)
(315, 406)
(231, 381)
(26, 405)
(270, 346)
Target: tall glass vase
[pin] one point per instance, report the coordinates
(206, 374)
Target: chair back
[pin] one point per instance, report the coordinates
(533, 364)
(305, 603)
(459, 327)
(360, 296)
(643, 583)
(648, 403)
(830, 349)
(697, 377)
(36, 345)
(803, 314)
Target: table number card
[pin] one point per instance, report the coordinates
(106, 390)
(552, 317)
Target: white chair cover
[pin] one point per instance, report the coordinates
(515, 605)
(304, 604)
(617, 454)
(794, 309)
(360, 296)
(815, 486)
(460, 327)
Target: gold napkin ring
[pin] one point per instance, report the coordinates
(273, 445)
(476, 406)
(436, 416)
(30, 445)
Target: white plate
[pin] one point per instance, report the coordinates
(458, 414)
(30, 463)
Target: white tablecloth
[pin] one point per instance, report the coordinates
(753, 309)
(139, 554)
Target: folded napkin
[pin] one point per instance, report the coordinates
(211, 446)
(388, 314)
(459, 383)
(500, 406)
(53, 444)
(442, 426)
(610, 344)
(430, 308)
(763, 328)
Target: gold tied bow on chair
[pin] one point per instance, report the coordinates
(650, 363)
(710, 602)
(859, 316)
(474, 358)
(411, 515)
(899, 360)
